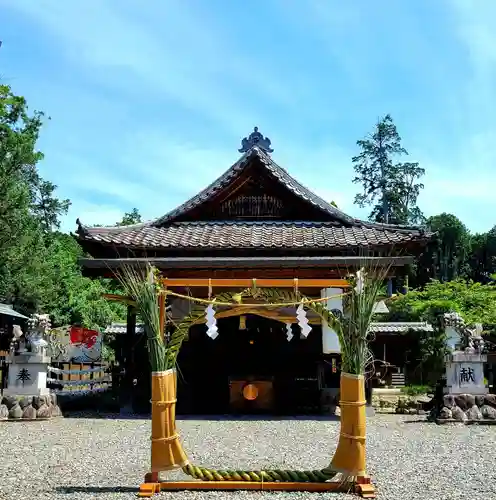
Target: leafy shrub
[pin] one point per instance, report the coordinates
(416, 390)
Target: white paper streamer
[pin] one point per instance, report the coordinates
(289, 332)
(212, 330)
(301, 315)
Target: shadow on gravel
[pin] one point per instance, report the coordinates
(70, 490)
(105, 415)
(214, 418)
(220, 418)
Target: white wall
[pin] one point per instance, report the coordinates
(330, 341)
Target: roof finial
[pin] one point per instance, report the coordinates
(255, 139)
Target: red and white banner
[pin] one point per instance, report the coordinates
(85, 345)
(78, 344)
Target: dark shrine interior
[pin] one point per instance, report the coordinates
(212, 373)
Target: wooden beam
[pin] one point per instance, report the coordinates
(259, 311)
(262, 283)
(362, 487)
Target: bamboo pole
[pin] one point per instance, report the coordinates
(166, 450)
(349, 458)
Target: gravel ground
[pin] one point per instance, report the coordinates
(83, 458)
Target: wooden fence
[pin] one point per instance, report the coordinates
(75, 377)
(68, 377)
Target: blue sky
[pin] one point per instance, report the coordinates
(149, 100)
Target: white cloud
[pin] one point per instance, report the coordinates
(173, 49)
(183, 61)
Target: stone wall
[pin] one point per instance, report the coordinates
(465, 408)
(400, 403)
(29, 407)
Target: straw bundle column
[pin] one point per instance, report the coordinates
(166, 450)
(349, 458)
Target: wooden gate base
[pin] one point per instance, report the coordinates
(362, 487)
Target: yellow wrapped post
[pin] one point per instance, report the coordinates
(349, 458)
(166, 451)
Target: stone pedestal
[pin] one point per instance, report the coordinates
(466, 397)
(465, 373)
(28, 375)
(26, 396)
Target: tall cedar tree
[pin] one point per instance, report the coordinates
(392, 188)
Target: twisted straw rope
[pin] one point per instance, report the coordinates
(315, 476)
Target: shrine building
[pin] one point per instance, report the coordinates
(255, 224)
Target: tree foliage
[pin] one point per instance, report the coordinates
(475, 302)
(391, 187)
(129, 218)
(450, 249)
(481, 261)
(39, 269)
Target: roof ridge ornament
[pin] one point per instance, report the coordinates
(255, 139)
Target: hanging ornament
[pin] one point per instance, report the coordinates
(301, 315)
(289, 332)
(360, 281)
(212, 330)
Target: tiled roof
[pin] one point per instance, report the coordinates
(241, 234)
(121, 328)
(7, 310)
(339, 231)
(273, 168)
(400, 327)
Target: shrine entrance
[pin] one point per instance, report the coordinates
(251, 367)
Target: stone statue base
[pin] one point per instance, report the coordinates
(465, 373)
(27, 375)
(464, 408)
(29, 407)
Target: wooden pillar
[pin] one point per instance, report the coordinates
(127, 386)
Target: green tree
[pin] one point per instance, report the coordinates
(72, 298)
(23, 254)
(129, 218)
(475, 302)
(391, 187)
(19, 132)
(481, 263)
(39, 270)
(47, 206)
(446, 258)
